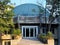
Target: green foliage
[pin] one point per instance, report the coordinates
(49, 35)
(16, 32)
(5, 1)
(6, 15)
(42, 36)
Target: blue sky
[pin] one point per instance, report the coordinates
(19, 2)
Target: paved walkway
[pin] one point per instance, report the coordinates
(30, 42)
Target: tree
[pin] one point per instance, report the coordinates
(6, 15)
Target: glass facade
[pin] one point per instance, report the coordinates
(29, 10)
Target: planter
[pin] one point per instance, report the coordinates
(50, 41)
(6, 37)
(16, 36)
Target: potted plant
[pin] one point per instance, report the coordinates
(49, 35)
(45, 37)
(42, 38)
(50, 38)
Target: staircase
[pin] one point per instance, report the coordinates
(33, 41)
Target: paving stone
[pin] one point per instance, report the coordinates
(30, 42)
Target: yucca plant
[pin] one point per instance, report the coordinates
(49, 35)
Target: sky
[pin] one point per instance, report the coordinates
(38, 2)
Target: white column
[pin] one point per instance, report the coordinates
(18, 23)
(25, 31)
(34, 31)
(41, 30)
(37, 30)
(29, 32)
(22, 31)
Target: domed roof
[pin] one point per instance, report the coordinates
(28, 10)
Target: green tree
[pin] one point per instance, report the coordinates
(6, 15)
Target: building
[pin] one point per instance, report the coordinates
(33, 19)
(27, 17)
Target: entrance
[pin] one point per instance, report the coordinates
(29, 31)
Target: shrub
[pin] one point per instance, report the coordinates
(16, 32)
(49, 35)
(42, 38)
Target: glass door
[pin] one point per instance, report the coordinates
(23, 32)
(29, 31)
(35, 32)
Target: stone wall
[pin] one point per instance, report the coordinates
(8, 38)
(16, 41)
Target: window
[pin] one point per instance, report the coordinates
(8, 43)
(44, 30)
(52, 30)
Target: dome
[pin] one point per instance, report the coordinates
(28, 10)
